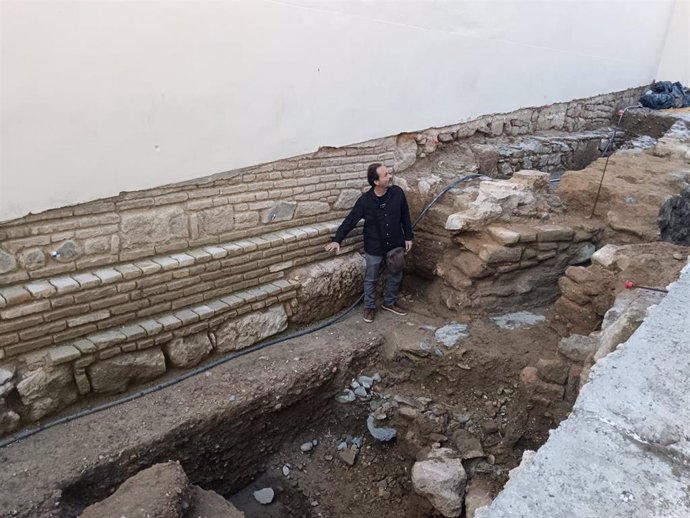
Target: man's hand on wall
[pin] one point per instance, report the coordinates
(333, 246)
(408, 246)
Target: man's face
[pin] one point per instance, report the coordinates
(385, 176)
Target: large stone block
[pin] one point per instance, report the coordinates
(163, 490)
(160, 225)
(47, 390)
(114, 374)
(326, 287)
(188, 351)
(442, 480)
(216, 220)
(250, 329)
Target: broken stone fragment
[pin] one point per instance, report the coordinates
(442, 480)
(347, 396)
(264, 496)
(380, 434)
(577, 347)
(349, 455)
(537, 390)
(553, 370)
(467, 445)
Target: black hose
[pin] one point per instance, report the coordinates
(220, 361)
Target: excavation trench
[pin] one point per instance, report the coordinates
(244, 425)
(250, 424)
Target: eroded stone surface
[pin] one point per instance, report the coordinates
(441, 479)
(187, 351)
(114, 374)
(46, 390)
(250, 329)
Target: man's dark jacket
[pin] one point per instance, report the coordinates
(386, 221)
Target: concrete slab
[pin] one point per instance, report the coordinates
(625, 449)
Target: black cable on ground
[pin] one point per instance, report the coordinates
(220, 361)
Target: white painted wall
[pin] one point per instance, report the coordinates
(675, 57)
(100, 97)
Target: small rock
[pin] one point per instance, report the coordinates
(357, 441)
(347, 396)
(264, 496)
(329, 458)
(377, 377)
(380, 434)
(341, 446)
(449, 335)
(286, 471)
(349, 456)
(467, 445)
(354, 385)
(361, 392)
(366, 381)
(489, 426)
(306, 447)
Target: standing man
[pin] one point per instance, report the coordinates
(386, 226)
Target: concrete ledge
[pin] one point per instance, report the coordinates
(625, 449)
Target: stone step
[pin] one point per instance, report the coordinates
(51, 311)
(145, 333)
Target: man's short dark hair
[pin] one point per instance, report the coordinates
(372, 173)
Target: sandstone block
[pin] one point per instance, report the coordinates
(553, 370)
(577, 347)
(504, 236)
(572, 291)
(469, 264)
(442, 480)
(114, 374)
(250, 328)
(62, 354)
(491, 253)
(47, 390)
(153, 226)
(32, 259)
(8, 262)
(189, 350)
(216, 220)
(327, 286)
(536, 389)
(554, 233)
(346, 199)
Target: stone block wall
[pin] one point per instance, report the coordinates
(102, 295)
(510, 265)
